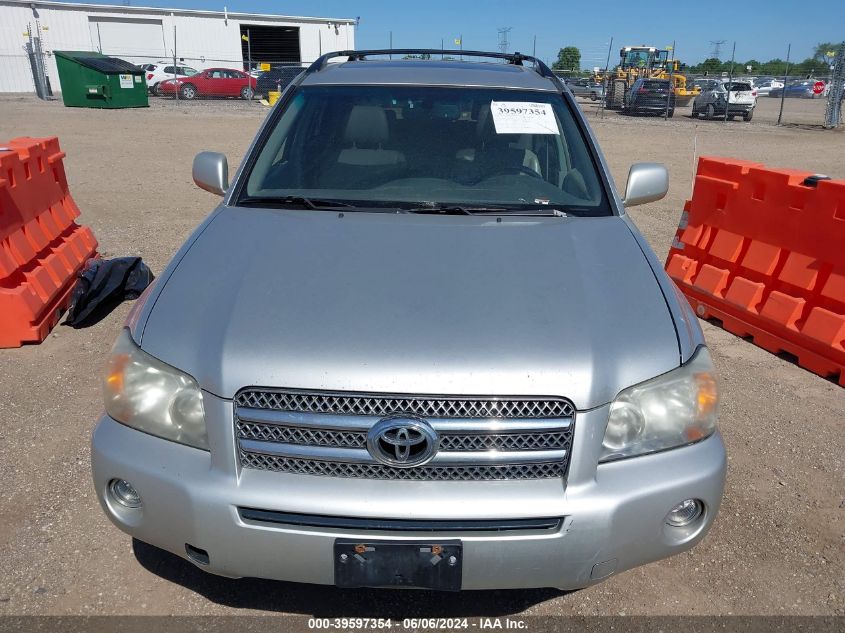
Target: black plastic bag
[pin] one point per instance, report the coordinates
(102, 285)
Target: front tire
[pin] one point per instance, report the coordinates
(247, 93)
(710, 112)
(594, 96)
(746, 116)
(188, 92)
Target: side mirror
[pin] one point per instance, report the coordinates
(211, 172)
(647, 182)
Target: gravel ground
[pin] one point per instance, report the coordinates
(778, 546)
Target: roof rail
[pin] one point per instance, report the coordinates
(512, 58)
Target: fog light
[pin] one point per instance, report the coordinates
(685, 513)
(123, 492)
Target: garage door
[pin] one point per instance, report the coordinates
(123, 37)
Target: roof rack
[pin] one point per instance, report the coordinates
(516, 58)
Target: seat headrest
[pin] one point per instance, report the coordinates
(367, 125)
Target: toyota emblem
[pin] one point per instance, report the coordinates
(402, 442)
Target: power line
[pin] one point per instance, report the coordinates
(504, 44)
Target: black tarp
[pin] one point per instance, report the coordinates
(102, 285)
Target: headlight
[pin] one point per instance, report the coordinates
(142, 392)
(671, 410)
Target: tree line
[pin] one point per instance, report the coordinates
(569, 59)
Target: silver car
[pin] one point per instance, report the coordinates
(585, 88)
(419, 343)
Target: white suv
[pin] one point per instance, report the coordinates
(737, 97)
(154, 74)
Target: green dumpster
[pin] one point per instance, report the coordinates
(92, 80)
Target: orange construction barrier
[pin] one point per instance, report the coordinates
(41, 248)
(763, 250)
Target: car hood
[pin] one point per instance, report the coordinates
(400, 303)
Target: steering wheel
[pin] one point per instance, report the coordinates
(521, 169)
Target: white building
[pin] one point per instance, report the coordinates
(201, 39)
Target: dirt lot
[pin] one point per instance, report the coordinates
(778, 546)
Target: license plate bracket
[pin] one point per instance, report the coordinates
(420, 564)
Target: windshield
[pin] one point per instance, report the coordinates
(403, 146)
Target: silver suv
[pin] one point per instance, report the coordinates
(419, 343)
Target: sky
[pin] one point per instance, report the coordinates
(761, 29)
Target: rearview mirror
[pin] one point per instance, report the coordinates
(211, 172)
(647, 182)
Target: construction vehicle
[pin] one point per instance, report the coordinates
(651, 63)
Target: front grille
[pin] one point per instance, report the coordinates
(358, 439)
(479, 438)
(420, 473)
(344, 404)
(400, 525)
(296, 435)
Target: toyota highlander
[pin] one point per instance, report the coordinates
(419, 343)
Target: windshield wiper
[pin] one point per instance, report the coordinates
(460, 209)
(296, 201)
(549, 212)
(454, 209)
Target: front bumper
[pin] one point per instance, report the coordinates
(733, 108)
(613, 515)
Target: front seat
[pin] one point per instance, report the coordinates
(364, 161)
(366, 133)
(496, 152)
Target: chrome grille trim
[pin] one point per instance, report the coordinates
(546, 524)
(424, 407)
(364, 422)
(420, 473)
(362, 456)
(479, 438)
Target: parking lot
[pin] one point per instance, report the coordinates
(778, 545)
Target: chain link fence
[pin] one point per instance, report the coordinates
(187, 79)
(789, 99)
(813, 100)
(183, 76)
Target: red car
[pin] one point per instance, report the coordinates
(211, 82)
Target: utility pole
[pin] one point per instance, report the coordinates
(716, 51)
(503, 39)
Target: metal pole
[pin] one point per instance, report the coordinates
(441, 48)
(783, 90)
(671, 82)
(249, 51)
(833, 111)
(604, 86)
(176, 86)
(391, 44)
(730, 83)
(461, 40)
